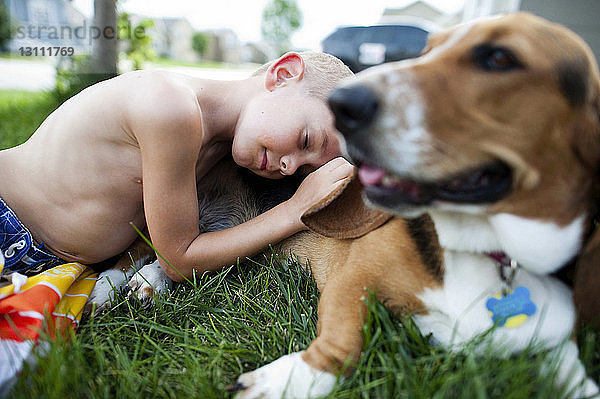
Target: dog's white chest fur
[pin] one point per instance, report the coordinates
(458, 313)
(457, 310)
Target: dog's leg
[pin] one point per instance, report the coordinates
(114, 279)
(287, 377)
(313, 372)
(571, 372)
(350, 274)
(341, 313)
(109, 283)
(149, 280)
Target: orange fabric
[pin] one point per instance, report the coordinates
(46, 303)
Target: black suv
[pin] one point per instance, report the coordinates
(360, 47)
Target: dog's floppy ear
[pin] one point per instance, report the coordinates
(344, 214)
(586, 290)
(580, 84)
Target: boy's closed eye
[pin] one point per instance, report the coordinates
(305, 139)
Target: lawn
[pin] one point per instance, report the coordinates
(199, 337)
(21, 112)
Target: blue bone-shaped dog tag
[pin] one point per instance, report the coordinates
(515, 304)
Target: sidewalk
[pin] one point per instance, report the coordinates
(34, 75)
(16, 74)
(209, 73)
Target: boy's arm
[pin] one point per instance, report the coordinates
(170, 141)
(169, 134)
(213, 250)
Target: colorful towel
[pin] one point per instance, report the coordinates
(37, 307)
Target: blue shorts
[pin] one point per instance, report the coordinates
(21, 253)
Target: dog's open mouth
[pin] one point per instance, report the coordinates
(484, 184)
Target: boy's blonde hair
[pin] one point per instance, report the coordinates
(322, 72)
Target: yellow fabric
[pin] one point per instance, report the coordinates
(73, 282)
(53, 298)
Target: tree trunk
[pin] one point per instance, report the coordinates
(104, 48)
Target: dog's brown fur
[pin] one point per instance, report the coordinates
(550, 110)
(345, 270)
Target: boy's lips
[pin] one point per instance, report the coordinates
(265, 161)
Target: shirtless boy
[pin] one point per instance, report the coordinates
(130, 149)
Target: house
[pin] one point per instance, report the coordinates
(258, 53)
(223, 46)
(580, 16)
(480, 8)
(421, 14)
(44, 23)
(171, 37)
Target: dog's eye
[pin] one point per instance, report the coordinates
(491, 58)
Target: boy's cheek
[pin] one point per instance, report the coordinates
(238, 157)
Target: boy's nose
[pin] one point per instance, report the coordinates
(287, 166)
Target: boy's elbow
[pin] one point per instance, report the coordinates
(173, 275)
(182, 268)
(180, 271)
(172, 272)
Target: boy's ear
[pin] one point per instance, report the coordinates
(289, 67)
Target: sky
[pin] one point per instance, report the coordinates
(321, 17)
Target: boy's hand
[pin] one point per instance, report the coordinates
(319, 184)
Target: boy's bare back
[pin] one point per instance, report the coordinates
(84, 164)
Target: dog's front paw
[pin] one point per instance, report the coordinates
(149, 280)
(108, 284)
(287, 377)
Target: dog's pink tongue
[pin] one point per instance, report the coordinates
(370, 175)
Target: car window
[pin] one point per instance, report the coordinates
(395, 33)
(363, 46)
(409, 33)
(348, 33)
(381, 34)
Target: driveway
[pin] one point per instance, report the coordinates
(236, 73)
(16, 74)
(35, 75)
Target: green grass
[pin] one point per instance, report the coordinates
(21, 112)
(199, 337)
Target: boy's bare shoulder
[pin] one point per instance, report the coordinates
(160, 95)
(159, 101)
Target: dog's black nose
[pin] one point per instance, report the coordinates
(354, 108)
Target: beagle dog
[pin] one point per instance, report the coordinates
(486, 151)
